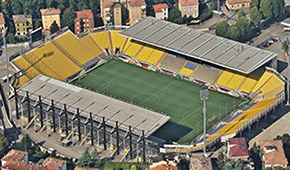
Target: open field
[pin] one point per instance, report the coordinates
(168, 95)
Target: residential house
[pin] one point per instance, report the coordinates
(200, 163)
(237, 4)
(15, 155)
(23, 24)
(237, 149)
(18, 165)
(164, 167)
(53, 164)
(79, 168)
(273, 154)
(161, 11)
(84, 21)
(2, 21)
(137, 11)
(48, 16)
(189, 8)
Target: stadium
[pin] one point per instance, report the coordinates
(132, 89)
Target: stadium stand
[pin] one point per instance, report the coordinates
(145, 52)
(103, 39)
(172, 63)
(75, 48)
(188, 68)
(132, 48)
(92, 45)
(249, 84)
(205, 73)
(117, 40)
(29, 70)
(229, 79)
(155, 56)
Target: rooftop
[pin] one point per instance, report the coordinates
(239, 148)
(20, 18)
(200, 163)
(85, 14)
(100, 105)
(273, 152)
(17, 165)
(14, 155)
(202, 46)
(2, 20)
(164, 167)
(238, 1)
(107, 3)
(188, 2)
(53, 163)
(137, 3)
(80, 168)
(50, 11)
(159, 7)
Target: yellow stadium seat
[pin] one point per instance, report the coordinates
(235, 81)
(22, 80)
(132, 48)
(117, 40)
(186, 71)
(22, 64)
(248, 85)
(155, 56)
(75, 48)
(145, 53)
(102, 39)
(91, 44)
(58, 63)
(265, 77)
(224, 78)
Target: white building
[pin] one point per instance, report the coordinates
(161, 11)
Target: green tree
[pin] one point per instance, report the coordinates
(85, 160)
(17, 7)
(244, 27)
(239, 165)
(286, 49)
(96, 159)
(54, 28)
(11, 38)
(68, 18)
(234, 32)
(174, 15)
(4, 145)
(241, 13)
(26, 144)
(221, 160)
(266, 8)
(254, 3)
(37, 23)
(255, 16)
(255, 148)
(278, 168)
(222, 29)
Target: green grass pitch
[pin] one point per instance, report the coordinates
(169, 95)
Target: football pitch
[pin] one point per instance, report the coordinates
(162, 93)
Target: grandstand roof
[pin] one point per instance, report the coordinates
(100, 105)
(199, 45)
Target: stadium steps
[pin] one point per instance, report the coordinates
(65, 53)
(132, 48)
(95, 42)
(117, 40)
(206, 74)
(32, 64)
(92, 45)
(235, 81)
(155, 56)
(23, 64)
(138, 52)
(125, 44)
(242, 83)
(170, 62)
(144, 53)
(160, 60)
(111, 42)
(224, 78)
(262, 82)
(102, 39)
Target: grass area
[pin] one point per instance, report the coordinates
(172, 96)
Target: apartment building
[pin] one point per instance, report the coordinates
(84, 21)
(48, 16)
(189, 8)
(23, 24)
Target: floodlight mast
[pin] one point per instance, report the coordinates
(204, 96)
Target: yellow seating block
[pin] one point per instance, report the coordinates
(103, 39)
(118, 40)
(91, 44)
(248, 85)
(235, 81)
(272, 85)
(61, 65)
(22, 64)
(155, 56)
(22, 80)
(132, 48)
(224, 78)
(262, 80)
(145, 53)
(186, 71)
(75, 48)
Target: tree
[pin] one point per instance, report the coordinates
(39, 154)
(254, 3)
(68, 18)
(221, 160)
(174, 15)
(222, 29)
(244, 27)
(266, 8)
(85, 160)
(37, 23)
(239, 165)
(11, 38)
(17, 7)
(278, 168)
(4, 145)
(286, 49)
(54, 28)
(255, 16)
(26, 144)
(96, 158)
(255, 148)
(234, 32)
(241, 13)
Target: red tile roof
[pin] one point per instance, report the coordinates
(53, 163)
(107, 3)
(240, 147)
(273, 152)
(159, 7)
(137, 3)
(79, 168)
(2, 20)
(50, 11)
(85, 14)
(164, 167)
(238, 1)
(188, 2)
(14, 155)
(18, 165)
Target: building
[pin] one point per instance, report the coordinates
(53, 163)
(15, 155)
(2, 21)
(189, 8)
(273, 154)
(122, 12)
(84, 21)
(48, 16)
(161, 11)
(238, 149)
(137, 10)
(23, 24)
(164, 167)
(79, 168)
(18, 165)
(200, 163)
(237, 4)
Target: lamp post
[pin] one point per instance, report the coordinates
(204, 96)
